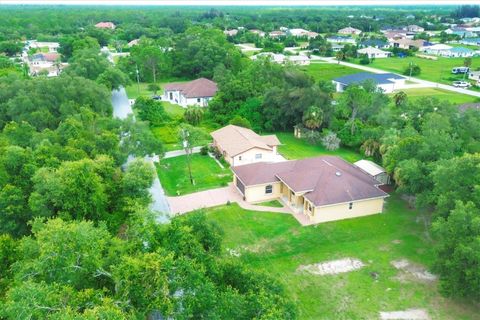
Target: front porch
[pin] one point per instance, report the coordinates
(301, 208)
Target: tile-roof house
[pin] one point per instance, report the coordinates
(349, 31)
(105, 25)
(323, 189)
(375, 43)
(242, 146)
(388, 82)
(197, 92)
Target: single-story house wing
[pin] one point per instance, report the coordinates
(324, 188)
(242, 146)
(341, 39)
(388, 82)
(374, 170)
(197, 92)
(374, 53)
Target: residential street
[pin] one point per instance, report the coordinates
(121, 110)
(424, 83)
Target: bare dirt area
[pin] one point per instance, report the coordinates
(411, 271)
(332, 267)
(410, 314)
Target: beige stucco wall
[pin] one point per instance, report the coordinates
(341, 211)
(257, 193)
(249, 156)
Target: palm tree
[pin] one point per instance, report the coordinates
(340, 55)
(400, 98)
(193, 115)
(313, 118)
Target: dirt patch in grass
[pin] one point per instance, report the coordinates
(332, 267)
(410, 314)
(410, 271)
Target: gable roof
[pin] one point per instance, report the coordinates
(198, 88)
(325, 180)
(461, 50)
(48, 56)
(378, 78)
(235, 140)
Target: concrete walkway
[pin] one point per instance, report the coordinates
(221, 196)
(423, 83)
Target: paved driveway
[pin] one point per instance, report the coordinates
(203, 199)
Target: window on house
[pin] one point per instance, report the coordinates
(240, 158)
(258, 156)
(269, 189)
(350, 205)
(198, 99)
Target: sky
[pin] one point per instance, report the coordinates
(244, 2)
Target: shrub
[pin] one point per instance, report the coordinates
(330, 141)
(413, 70)
(364, 59)
(204, 150)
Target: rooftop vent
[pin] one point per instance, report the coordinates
(338, 173)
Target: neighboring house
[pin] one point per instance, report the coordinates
(312, 35)
(461, 32)
(341, 39)
(105, 25)
(469, 106)
(260, 33)
(337, 47)
(375, 43)
(475, 76)
(241, 146)
(460, 52)
(133, 43)
(470, 41)
(231, 33)
(349, 31)
(374, 170)
(323, 188)
(438, 49)
(49, 46)
(282, 59)
(388, 82)
(444, 50)
(415, 28)
(48, 63)
(197, 92)
(276, 34)
(407, 43)
(374, 53)
(297, 32)
(395, 35)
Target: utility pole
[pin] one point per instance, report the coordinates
(138, 79)
(186, 146)
(411, 67)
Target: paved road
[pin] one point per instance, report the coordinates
(424, 83)
(177, 153)
(121, 110)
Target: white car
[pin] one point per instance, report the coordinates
(461, 84)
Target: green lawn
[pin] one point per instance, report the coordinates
(293, 148)
(327, 71)
(207, 174)
(272, 203)
(432, 70)
(453, 97)
(278, 245)
(135, 90)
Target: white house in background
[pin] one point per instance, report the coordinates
(48, 63)
(282, 59)
(298, 32)
(415, 28)
(276, 34)
(106, 25)
(133, 43)
(374, 53)
(388, 82)
(349, 31)
(50, 46)
(260, 33)
(475, 76)
(197, 92)
(438, 49)
(231, 33)
(374, 170)
(242, 146)
(341, 39)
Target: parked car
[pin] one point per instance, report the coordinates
(461, 84)
(458, 70)
(156, 97)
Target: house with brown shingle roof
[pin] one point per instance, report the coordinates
(324, 188)
(241, 146)
(106, 25)
(197, 92)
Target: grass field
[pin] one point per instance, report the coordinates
(278, 245)
(432, 70)
(328, 71)
(293, 148)
(135, 90)
(272, 203)
(454, 98)
(207, 174)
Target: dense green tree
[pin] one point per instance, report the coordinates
(113, 78)
(193, 115)
(151, 111)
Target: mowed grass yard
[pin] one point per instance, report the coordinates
(452, 97)
(207, 174)
(135, 90)
(293, 148)
(277, 244)
(432, 70)
(327, 71)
